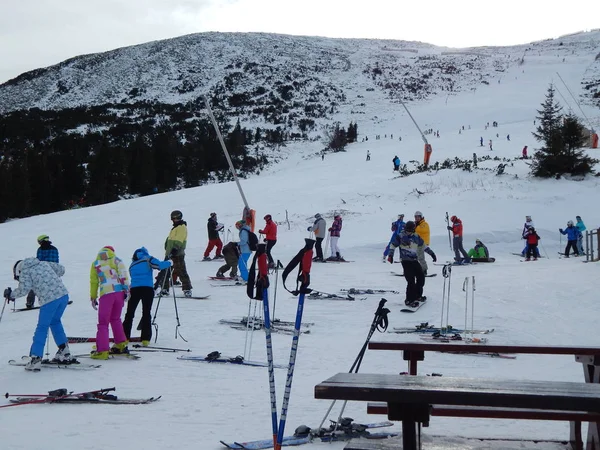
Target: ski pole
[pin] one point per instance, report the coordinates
(271, 368)
(276, 281)
(177, 332)
(290, 373)
(472, 305)
(465, 289)
(380, 322)
(168, 349)
(166, 274)
(3, 306)
(249, 322)
(447, 225)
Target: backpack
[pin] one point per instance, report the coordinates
(252, 241)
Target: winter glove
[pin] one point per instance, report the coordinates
(390, 258)
(7, 293)
(309, 229)
(329, 230)
(449, 228)
(261, 231)
(434, 258)
(94, 303)
(560, 230)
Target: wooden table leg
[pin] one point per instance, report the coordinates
(413, 357)
(409, 435)
(591, 373)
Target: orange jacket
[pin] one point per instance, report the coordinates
(457, 228)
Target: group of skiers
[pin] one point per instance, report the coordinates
(574, 233)
(320, 230)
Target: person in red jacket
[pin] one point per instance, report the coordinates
(270, 232)
(532, 242)
(457, 241)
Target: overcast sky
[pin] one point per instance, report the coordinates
(39, 33)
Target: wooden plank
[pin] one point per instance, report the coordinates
(548, 395)
(458, 346)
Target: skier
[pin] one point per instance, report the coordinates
(481, 141)
(411, 244)
(45, 252)
(532, 242)
(368, 155)
(422, 229)
(480, 251)
(214, 240)
(572, 234)
(528, 224)
(319, 227)
(397, 227)
(175, 250)
(396, 162)
(524, 152)
(270, 232)
(231, 252)
(457, 241)
(581, 228)
(491, 145)
(43, 277)
(244, 248)
(140, 270)
(508, 137)
(334, 232)
(109, 275)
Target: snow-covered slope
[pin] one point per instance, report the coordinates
(545, 302)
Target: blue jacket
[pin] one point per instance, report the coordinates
(571, 232)
(398, 226)
(409, 244)
(244, 247)
(141, 268)
(47, 252)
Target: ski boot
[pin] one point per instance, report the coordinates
(63, 355)
(99, 355)
(120, 348)
(206, 258)
(187, 294)
(34, 364)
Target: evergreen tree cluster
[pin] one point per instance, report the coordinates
(338, 137)
(53, 160)
(562, 138)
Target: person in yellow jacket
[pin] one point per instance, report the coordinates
(175, 251)
(422, 229)
(108, 275)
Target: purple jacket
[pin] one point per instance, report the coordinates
(336, 227)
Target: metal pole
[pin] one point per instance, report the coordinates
(414, 121)
(231, 168)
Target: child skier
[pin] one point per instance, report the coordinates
(532, 242)
(140, 270)
(231, 252)
(45, 252)
(572, 234)
(109, 275)
(581, 228)
(43, 277)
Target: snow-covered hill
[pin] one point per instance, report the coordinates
(545, 302)
(251, 74)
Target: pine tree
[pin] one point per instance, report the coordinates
(549, 118)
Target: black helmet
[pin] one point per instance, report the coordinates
(410, 227)
(176, 215)
(17, 269)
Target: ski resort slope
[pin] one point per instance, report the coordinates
(551, 301)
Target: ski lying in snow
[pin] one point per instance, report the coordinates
(33, 307)
(326, 296)
(113, 356)
(215, 357)
(455, 264)
(401, 274)
(92, 398)
(83, 340)
(181, 297)
(414, 306)
(357, 291)
(456, 337)
(237, 283)
(486, 354)
(343, 432)
(280, 329)
(426, 328)
(337, 261)
(523, 256)
(46, 363)
(221, 278)
(259, 320)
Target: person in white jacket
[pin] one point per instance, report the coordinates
(43, 277)
(319, 228)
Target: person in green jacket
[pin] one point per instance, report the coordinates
(479, 251)
(175, 251)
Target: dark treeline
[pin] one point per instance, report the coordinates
(53, 160)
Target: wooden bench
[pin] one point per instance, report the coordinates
(408, 398)
(589, 357)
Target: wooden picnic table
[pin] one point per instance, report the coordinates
(409, 397)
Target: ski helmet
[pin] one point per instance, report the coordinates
(43, 237)
(239, 224)
(176, 215)
(453, 219)
(213, 214)
(317, 216)
(570, 223)
(267, 217)
(528, 218)
(418, 214)
(400, 216)
(410, 227)
(302, 431)
(578, 217)
(17, 269)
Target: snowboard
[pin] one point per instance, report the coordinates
(221, 278)
(427, 276)
(412, 309)
(483, 260)
(34, 307)
(523, 256)
(181, 297)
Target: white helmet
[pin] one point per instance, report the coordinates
(17, 268)
(570, 223)
(418, 214)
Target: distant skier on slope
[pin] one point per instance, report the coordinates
(411, 245)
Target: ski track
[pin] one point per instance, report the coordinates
(550, 301)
